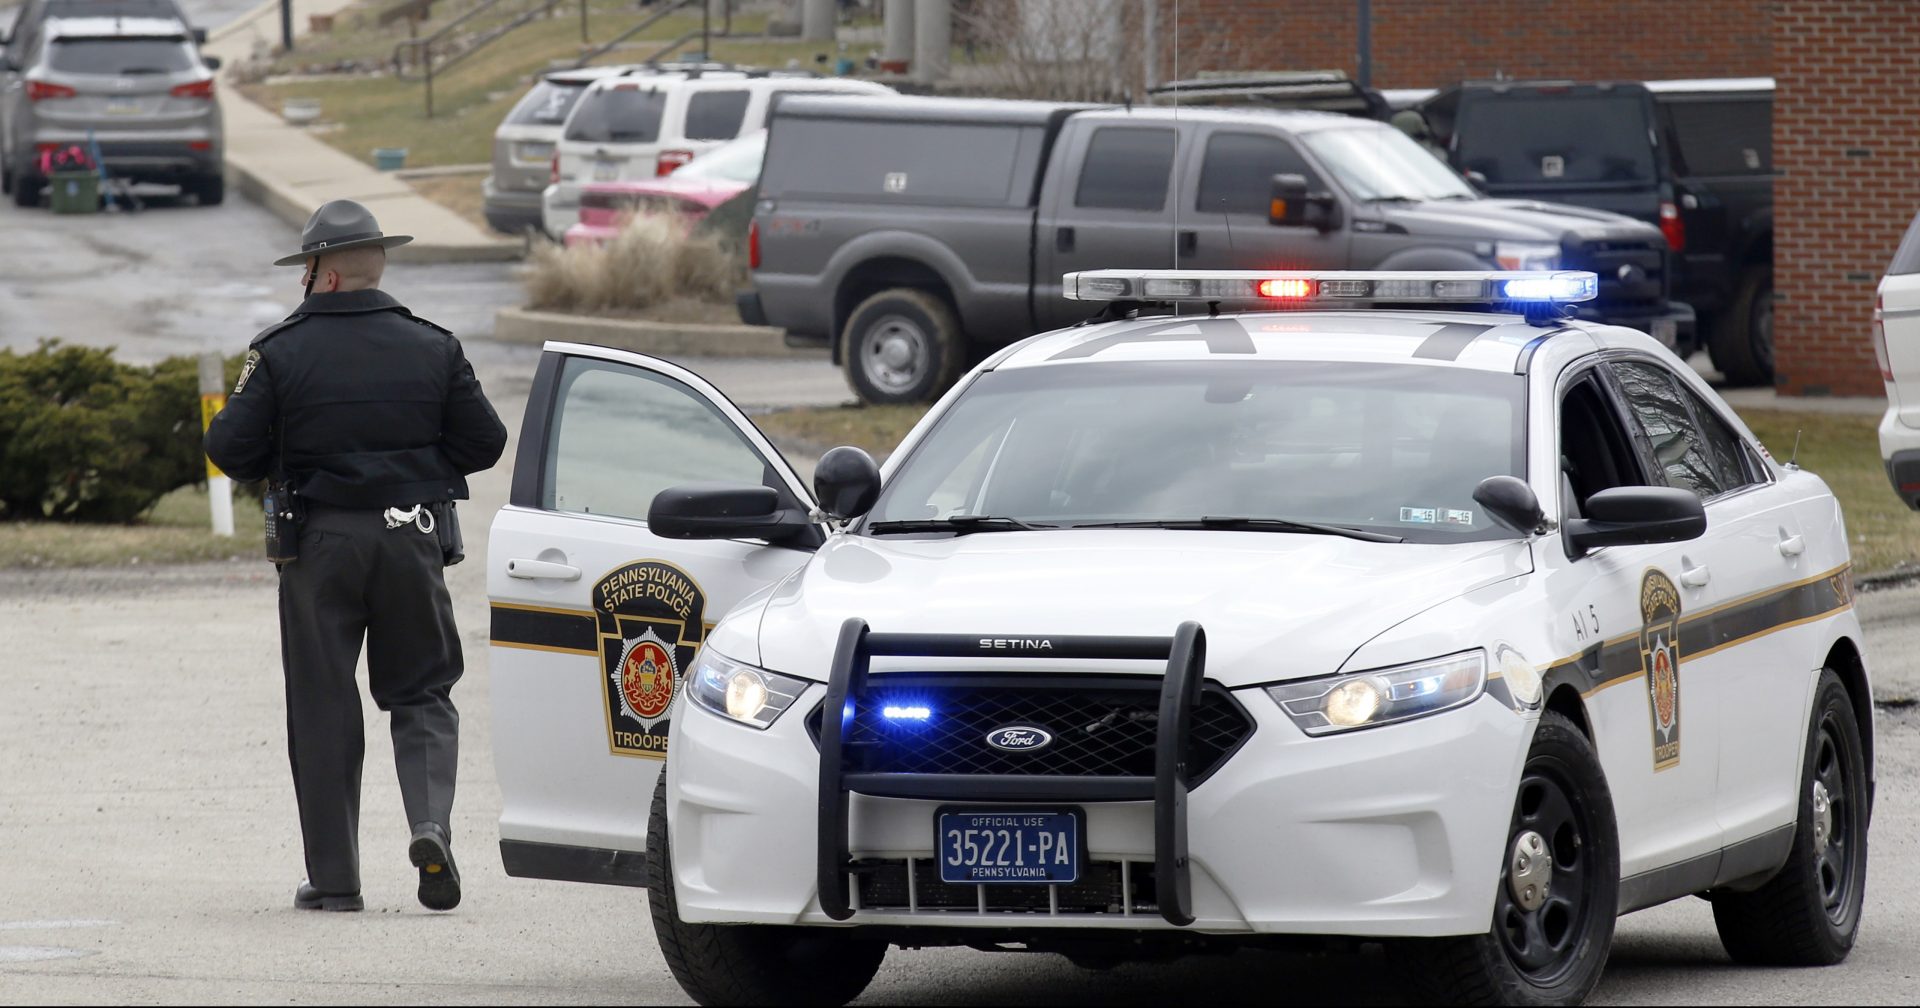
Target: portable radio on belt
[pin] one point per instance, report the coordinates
(284, 512)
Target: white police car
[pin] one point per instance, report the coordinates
(1459, 630)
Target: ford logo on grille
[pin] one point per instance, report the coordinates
(1630, 273)
(1019, 738)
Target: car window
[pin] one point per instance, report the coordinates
(620, 436)
(1556, 139)
(1236, 176)
(1723, 137)
(715, 115)
(1906, 258)
(1126, 169)
(546, 105)
(1397, 448)
(623, 113)
(119, 56)
(1689, 451)
(1596, 452)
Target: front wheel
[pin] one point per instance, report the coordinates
(750, 964)
(902, 346)
(1809, 913)
(1559, 892)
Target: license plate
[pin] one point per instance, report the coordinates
(1666, 331)
(1016, 845)
(123, 106)
(533, 152)
(606, 171)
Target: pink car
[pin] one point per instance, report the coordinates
(693, 190)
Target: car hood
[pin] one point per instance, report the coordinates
(1274, 606)
(1511, 219)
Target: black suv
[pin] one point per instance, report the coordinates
(1693, 157)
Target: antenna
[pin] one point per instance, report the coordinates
(1793, 462)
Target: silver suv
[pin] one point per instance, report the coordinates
(137, 86)
(523, 147)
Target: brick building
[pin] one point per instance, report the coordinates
(1846, 127)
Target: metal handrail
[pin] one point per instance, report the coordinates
(422, 48)
(726, 27)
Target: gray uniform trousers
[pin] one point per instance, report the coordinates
(356, 578)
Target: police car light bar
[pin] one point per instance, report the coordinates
(1536, 287)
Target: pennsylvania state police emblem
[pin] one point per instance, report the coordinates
(650, 621)
(1660, 659)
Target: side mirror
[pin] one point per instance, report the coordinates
(211, 62)
(199, 36)
(1287, 206)
(1478, 179)
(1637, 515)
(1512, 503)
(846, 482)
(723, 511)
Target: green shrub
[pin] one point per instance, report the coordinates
(86, 438)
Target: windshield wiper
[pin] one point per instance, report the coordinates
(1231, 523)
(957, 524)
(1392, 199)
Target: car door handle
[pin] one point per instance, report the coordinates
(533, 570)
(1063, 240)
(1189, 242)
(1695, 577)
(1792, 546)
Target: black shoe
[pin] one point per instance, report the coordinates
(308, 898)
(439, 879)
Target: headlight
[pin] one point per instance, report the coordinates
(751, 696)
(1383, 696)
(1526, 255)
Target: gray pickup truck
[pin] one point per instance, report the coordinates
(913, 235)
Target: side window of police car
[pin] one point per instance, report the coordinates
(620, 436)
(1693, 448)
(1596, 451)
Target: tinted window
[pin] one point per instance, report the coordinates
(909, 162)
(1906, 259)
(546, 105)
(715, 115)
(1723, 137)
(1549, 139)
(621, 436)
(116, 56)
(1126, 169)
(1237, 175)
(1394, 447)
(1693, 453)
(620, 114)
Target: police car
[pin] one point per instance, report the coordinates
(1409, 610)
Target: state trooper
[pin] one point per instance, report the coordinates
(366, 420)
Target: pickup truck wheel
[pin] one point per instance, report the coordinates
(1742, 341)
(750, 964)
(1553, 914)
(1809, 913)
(902, 346)
(26, 189)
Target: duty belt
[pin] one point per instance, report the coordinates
(420, 515)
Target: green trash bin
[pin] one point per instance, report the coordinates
(76, 192)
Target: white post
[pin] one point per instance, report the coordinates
(899, 26)
(932, 40)
(817, 20)
(213, 398)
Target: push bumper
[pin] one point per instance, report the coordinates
(1392, 831)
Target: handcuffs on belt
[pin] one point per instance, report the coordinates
(420, 515)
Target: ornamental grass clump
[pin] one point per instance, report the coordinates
(653, 260)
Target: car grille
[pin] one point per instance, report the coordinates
(1101, 726)
(1632, 272)
(913, 885)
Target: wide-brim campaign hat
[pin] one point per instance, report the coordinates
(337, 225)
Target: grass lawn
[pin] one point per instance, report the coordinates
(459, 193)
(177, 530)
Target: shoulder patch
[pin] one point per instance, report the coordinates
(246, 370)
(269, 332)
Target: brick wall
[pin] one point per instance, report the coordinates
(1846, 140)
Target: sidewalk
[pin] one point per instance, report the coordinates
(291, 173)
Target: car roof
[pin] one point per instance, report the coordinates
(1296, 120)
(1711, 84)
(1481, 341)
(114, 27)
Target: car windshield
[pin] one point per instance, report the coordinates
(547, 104)
(619, 114)
(733, 161)
(1389, 448)
(120, 55)
(1557, 139)
(1382, 163)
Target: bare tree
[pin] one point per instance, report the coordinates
(1060, 50)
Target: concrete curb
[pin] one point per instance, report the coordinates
(665, 339)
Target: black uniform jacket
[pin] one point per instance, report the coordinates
(380, 408)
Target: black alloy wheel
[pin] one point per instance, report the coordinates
(1542, 911)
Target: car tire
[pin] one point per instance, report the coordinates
(750, 964)
(902, 346)
(26, 189)
(6, 176)
(209, 190)
(1808, 913)
(1547, 946)
(1742, 342)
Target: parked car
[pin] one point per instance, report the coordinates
(33, 13)
(136, 85)
(692, 191)
(643, 124)
(914, 235)
(1693, 157)
(523, 147)
(1896, 344)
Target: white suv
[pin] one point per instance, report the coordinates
(645, 123)
(1896, 341)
